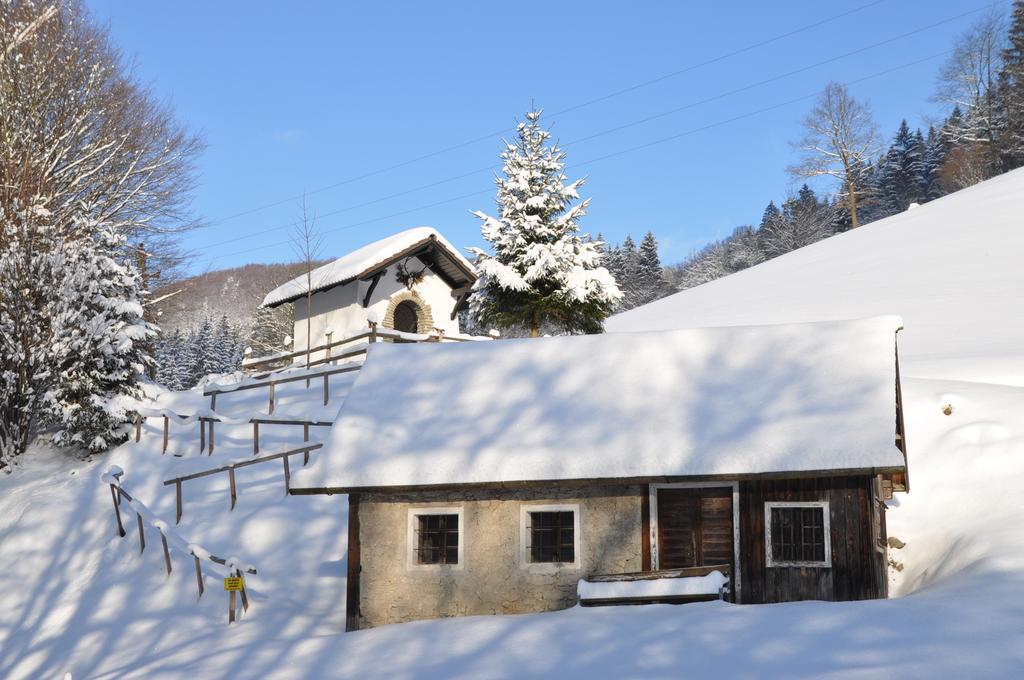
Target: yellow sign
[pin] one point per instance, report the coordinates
(233, 583)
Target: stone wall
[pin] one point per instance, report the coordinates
(491, 578)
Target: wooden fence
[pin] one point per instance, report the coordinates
(272, 383)
(207, 438)
(374, 334)
(230, 469)
(113, 478)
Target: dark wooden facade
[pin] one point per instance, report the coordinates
(859, 561)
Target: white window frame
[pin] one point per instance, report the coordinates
(652, 503)
(824, 506)
(411, 562)
(524, 538)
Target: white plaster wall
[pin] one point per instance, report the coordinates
(340, 309)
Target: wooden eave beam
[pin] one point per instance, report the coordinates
(373, 286)
(599, 481)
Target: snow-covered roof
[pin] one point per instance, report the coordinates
(714, 401)
(368, 259)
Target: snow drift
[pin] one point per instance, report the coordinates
(75, 598)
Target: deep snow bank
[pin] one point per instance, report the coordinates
(76, 598)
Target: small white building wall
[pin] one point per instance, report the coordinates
(340, 309)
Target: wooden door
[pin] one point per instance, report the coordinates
(694, 527)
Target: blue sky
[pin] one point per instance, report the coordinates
(292, 97)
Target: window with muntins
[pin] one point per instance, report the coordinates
(437, 539)
(797, 534)
(552, 537)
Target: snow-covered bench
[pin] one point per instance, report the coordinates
(667, 586)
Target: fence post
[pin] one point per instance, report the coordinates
(373, 331)
(231, 485)
(245, 598)
(138, 427)
(271, 407)
(199, 575)
(327, 389)
(167, 553)
(287, 475)
(177, 501)
(167, 426)
(305, 438)
(328, 354)
(117, 511)
(142, 536)
(231, 606)
(213, 401)
(202, 435)
(211, 435)
(255, 438)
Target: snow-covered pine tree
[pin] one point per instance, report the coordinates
(71, 330)
(629, 259)
(650, 280)
(615, 263)
(541, 272)
(804, 220)
(200, 359)
(1011, 91)
(29, 266)
(227, 347)
(101, 335)
(935, 152)
(168, 360)
(771, 213)
(902, 172)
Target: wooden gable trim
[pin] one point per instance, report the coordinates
(902, 478)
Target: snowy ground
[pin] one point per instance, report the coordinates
(76, 598)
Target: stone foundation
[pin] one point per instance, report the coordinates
(491, 578)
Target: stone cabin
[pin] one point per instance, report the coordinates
(526, 475)
(414, 281)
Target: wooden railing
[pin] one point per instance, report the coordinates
(207, 438)
(272, 383)
(230, 468)
(143, 515)
(374, 334)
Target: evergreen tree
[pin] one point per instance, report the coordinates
(630, 258)
(902, 172)
(804, 220)
(541, 272)
(1011, 91)
(102, 340)
(199, 353)
(771, 213)
(615, 263)
(650, 281)
(935, 152)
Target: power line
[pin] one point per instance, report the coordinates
(656, 142)
(624, 126)
(574, 107)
